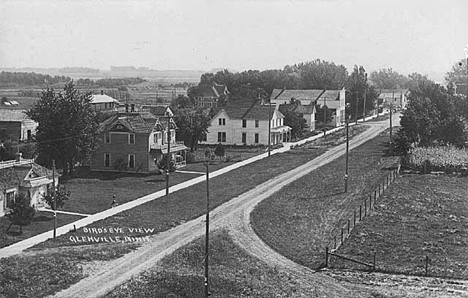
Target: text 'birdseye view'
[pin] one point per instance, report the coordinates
(282, 148)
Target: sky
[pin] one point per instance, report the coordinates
(424, 36)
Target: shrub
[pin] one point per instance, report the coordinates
(21, 213)
(190, 157)
(162, 165)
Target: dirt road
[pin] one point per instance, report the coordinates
(235, 215)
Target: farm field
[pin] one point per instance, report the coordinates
(301, 219)
(417, 216)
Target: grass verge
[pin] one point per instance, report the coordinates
(418, 216)
(41, 274)
(301, 219)
(233, 273)
(189, 203)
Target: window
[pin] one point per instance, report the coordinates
(10, 198)
(256, 123)
(107, 158)
(256, 138)
(131, 138)
(221, 137)
(107, 138)
(222, 121)
(29, 134)
(204, 139)
(131, 161)
(244, 137)
(244, 123)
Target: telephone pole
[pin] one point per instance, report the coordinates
(168, 160)
(269, 129)
(357, 102)
(207, 230)
(55, 198)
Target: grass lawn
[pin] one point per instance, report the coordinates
(301, 219)
(189, 203)
(41, 274)
(92, 192)
(233, 273)
(43, 221)
(418, 216)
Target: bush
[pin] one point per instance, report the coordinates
(162, 164)
(443, 158)
(190, 157)
(21, 213)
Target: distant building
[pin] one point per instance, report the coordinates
(104, 103)
(460, 88)
(209, 96)
(23, 176)
(397, 98)
(335, 100)
(134, 142)
(15, 125)
(248, 125)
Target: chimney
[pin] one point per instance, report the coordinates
(18, 156)
(126, 108)
(102, 92)
(132, 108)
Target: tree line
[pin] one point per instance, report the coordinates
(13, 79)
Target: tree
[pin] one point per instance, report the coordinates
(220, 150)
(319, 114)
(295, 121)
(162, 164)
(358, 91)
(181, 102)
(21, 213)
(67, 127)
(57, 197)
(458, 73)
(387, 79)
(192, 125)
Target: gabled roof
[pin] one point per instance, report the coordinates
(251, 111)
(13, 115)
(21, 174)
(132, 122)
(102, 98)
(298, 108)
(212, 91)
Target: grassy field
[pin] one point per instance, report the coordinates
(43, 221)
(43, 273)
(233, 273)
(189, 203)
(418, 216)
(301, 219)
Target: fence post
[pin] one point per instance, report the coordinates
(348, 227)
(365, 207)
(375, 196)
(427, 262)
(360, 213)
(334, 246)
(379, 189)
(354, 218)
(326, 257)
(341, 236)
(370, 202)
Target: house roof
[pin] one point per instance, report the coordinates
(302, 95)
(13, 115)
(212, 91)
(298, 108)
(102, 98)
(253, 111)
(133, 122)
(21, 174)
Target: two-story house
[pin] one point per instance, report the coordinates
(306, 112)
(209, 96)
(134, 142)
(334, 100)
(23, 176)
(248, 125)
(395, 98)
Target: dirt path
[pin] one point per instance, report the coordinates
(118, 271)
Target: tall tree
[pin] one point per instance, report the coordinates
(458, 73)
(295, 121)
(387, 79)
(21, 213)
(192, 125)
(359, 94)
(67, 127)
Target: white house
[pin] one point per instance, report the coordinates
(248, 125)
(397, 98)
(104, 103)
(335, 100)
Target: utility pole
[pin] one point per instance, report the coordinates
(207, 231)
(357, 96)
(55, 198)
(168, 160)
(364, 107)
(347, 154)
(391, 108)
(324, 111)
(269, 129)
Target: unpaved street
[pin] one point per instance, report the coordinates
(230, 214)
